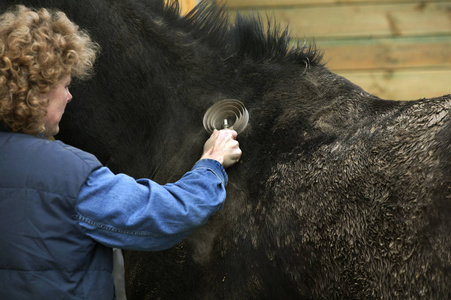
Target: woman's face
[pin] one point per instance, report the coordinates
(59, 96)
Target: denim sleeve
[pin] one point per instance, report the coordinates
(121, 212)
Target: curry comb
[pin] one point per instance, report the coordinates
(227, 113)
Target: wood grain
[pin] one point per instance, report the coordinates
(403, 84)
(387, 53)
(399, 49)
(358, 20)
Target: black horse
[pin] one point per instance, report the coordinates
(339, 194)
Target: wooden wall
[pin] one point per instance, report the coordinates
(187, 5)
(399, 49)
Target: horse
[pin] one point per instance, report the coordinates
(338, 195)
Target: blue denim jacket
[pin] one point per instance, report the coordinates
(121, 212)
(53, 194)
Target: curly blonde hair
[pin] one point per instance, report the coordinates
(37, 49)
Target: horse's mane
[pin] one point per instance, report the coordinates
(246, 36)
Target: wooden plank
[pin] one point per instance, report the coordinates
(366, 54)
(363, 20)
(274, 3)
(404, 84)
(187, 5)
(398, 49)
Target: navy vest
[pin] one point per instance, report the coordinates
(44, 254)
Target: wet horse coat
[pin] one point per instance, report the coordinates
(339, 194)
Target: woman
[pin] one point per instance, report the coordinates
(62, 211)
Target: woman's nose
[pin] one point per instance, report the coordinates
(69, 96)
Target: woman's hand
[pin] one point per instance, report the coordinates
(223, 147)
